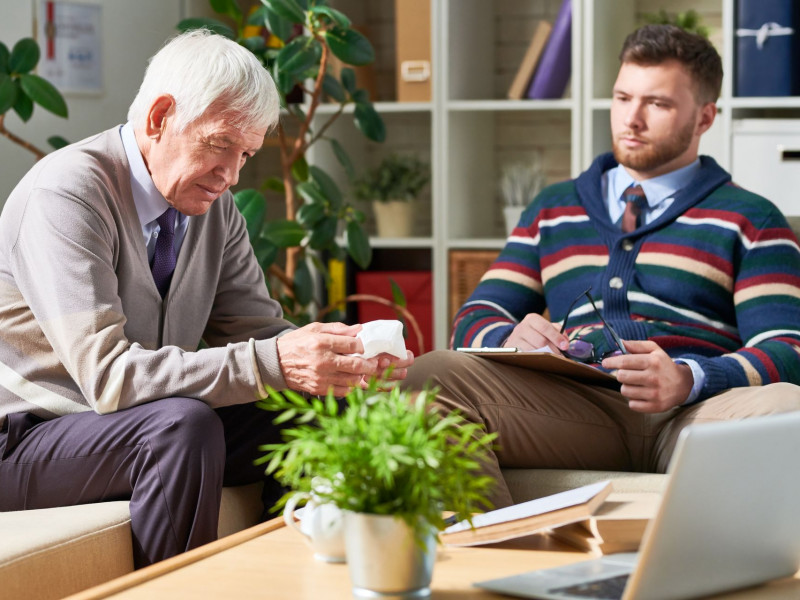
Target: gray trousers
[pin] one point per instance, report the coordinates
(170, 458)
(548, 421)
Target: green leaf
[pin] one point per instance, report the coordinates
(287, 9)
(283, 233)
(310, 214)
(24, 56)
(56, 141)
(4, 56)
(255, 43)
(258, 17)
(303, 283)
(278, 26)
(369, 122)
(334, 16)
(300, 169)
(44, 94)
(349, 80)
(285, 81)
(350, 46)
(253, 207)
(227, 7)
(333, 89)
(265, 251)
(358, 245)
(311, 193)
(24, 105)
(324, 233)
(298, 56)
(398, 297)
(343, 158)
(207, 23)
(274, 184)
(328, 186)
(8, 93)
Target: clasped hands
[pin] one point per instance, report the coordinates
(651, 381)
(318, 357)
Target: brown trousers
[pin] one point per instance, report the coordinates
(550, 421)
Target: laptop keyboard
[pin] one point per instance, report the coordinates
(610, 589)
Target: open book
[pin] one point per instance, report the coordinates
(618, 525)
(528, 517)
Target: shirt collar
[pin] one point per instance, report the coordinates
(149, 202)
(656, 189)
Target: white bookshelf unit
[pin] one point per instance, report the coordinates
(469, 131)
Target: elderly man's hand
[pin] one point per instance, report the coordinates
(316, 358)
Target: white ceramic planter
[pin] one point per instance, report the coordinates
(384, 559)
(512, 215)
(394, 219)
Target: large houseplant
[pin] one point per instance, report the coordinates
(295, 40)
(386, 456)
(20, 89)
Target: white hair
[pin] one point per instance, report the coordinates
(199, 69)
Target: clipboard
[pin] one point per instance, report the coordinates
(538, 360)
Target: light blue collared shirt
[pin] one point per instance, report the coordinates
(149, 202)
(660, 192)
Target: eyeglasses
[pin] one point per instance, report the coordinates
(583, 351)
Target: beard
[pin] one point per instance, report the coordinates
(656, 154)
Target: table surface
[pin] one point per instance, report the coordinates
(272, 561)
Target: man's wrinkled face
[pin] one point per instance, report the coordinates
(193, 168)
(656, 121)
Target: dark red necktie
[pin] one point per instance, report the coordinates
(164, 256)
(635, 201)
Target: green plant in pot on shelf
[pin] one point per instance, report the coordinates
(391, 464)
(392, 186)
(295, 40)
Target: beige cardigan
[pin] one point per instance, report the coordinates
(82, 325)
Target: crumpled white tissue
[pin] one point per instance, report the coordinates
(382, 336)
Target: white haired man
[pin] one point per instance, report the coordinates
(118, 255)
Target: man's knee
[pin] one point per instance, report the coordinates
(434, 368)
(189, 422)
(781, 397)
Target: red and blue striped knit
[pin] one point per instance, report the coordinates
(716, 278)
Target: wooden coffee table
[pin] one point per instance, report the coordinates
(271, 561)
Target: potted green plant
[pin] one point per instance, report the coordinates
(519, 183)
(391, 186)
(392, 464)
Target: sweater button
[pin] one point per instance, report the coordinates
(627, 245)
(616, 283)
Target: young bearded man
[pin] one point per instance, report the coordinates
(700, 278)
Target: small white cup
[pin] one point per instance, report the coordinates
(320, 525)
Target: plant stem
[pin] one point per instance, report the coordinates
(18, 140)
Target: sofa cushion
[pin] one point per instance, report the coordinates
(53, 552)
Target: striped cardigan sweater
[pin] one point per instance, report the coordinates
(716, 278)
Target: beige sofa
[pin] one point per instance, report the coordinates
(56, 552)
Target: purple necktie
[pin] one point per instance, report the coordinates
(635, 201)
(164, 257)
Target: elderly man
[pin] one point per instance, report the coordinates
(118, 255)
(700, 278)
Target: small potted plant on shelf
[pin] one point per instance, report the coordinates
(519, 183)
(392, 465)
(391, 186)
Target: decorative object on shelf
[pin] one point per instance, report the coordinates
(529, 62)
(767, 48)
(465, 269)
(393, 464)
(20, 88)
(519, 184)
(689, 20)
(314, 205)
(413, 52)
(391, 187)
(555, 66)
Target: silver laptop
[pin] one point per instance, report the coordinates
(729, 518)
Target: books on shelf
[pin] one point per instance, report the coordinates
(618, 525)
(529, 62)
(555, 65)
(528, 517)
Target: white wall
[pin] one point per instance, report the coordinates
(132, 31)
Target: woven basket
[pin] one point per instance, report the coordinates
(466, 269)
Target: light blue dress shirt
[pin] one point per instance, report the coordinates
(150, 204)
(660, 192)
